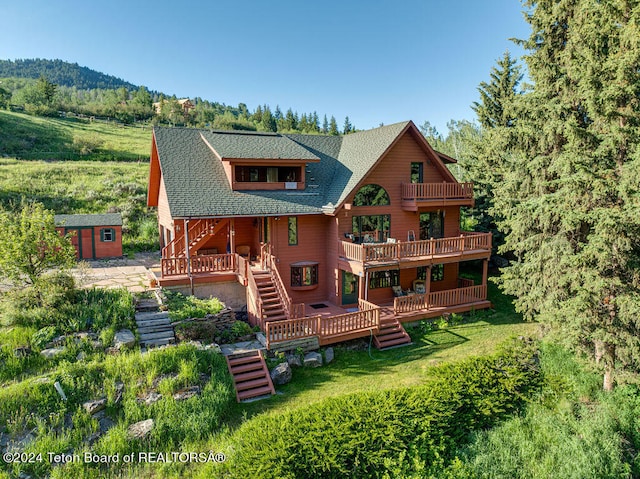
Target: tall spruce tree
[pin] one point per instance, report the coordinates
(495, 112)
(569, 192)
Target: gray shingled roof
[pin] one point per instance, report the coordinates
(197, 185)
(80, 220)
(253, 145)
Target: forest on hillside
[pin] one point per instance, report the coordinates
(54, 87)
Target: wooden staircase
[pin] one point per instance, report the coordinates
(391, 334)
(272, 307)
(250, 375)
(199, 233)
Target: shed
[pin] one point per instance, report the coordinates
(93, 236)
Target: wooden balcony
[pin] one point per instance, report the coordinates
(212, 263)
(439, 300)
(469, 245)
(429, 194)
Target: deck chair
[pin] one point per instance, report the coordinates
(397, 291)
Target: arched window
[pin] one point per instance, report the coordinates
(371, 195)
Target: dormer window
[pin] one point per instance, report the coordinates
(267, 174)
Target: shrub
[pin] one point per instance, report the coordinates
(186, 307)
(375, 434)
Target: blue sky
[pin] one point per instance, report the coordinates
(376, 61)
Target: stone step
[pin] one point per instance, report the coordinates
(158, 342)
(161, 335)
(145, 316)
(155, 329)
(153, 322)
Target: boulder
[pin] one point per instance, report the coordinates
(328, 355)
(22, 351)
(151, 398)
(105, 424)
(294, 360)
(140, 430)
(95, 406)
(51, 352)
(313, 360)
(186, 393)
(124, 339)
(281, 374)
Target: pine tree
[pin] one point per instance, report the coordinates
(325, 125)
(570, 179)
(500, 91)
(333, 126)
(346, 129)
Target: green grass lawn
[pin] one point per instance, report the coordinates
(39, 138)
(370, 369)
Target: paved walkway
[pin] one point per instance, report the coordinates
(132, 274)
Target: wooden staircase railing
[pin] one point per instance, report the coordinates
(198, 231)
(291, 309)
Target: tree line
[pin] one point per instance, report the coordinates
(45, 98)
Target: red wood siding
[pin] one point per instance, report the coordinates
(86, 240)
(312, 246)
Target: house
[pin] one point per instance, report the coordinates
(185, 104)
(93, 236)
(324, 238)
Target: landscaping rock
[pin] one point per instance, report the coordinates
(124, 339)
(328, 355)
(119, 391)
(281, 374)
(140, 430)
(81, 356)
(22, 351)
(51, 352)
(20, 443)
(186, 393)
(95, 406)
(151, 398)
(57, 341)
(294, 360)
(313, 360)
(105, 424)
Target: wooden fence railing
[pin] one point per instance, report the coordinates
(436, 191)
(449, 297)
(213, 263)
(255, 311)
(370, 252)
(290, 329)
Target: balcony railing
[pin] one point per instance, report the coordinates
(437, 191)
(213, 263)
(466, 243)
(440, 299)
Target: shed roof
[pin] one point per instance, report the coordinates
(80, 220)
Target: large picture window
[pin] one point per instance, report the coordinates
(384, 279)
(371, 195)
(304, 274)
(371, 228)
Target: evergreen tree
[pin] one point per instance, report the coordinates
(315, 122)
(325, 125)
(268, 121)
(346, 129)
(333, 126)
(570, 179)
(500, 91)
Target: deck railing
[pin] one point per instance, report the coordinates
(372, 252)
(439, 299)
(291, 309)
(255, 311)
(290, 329)
(325, 327)
(212, 263)
(436, 191)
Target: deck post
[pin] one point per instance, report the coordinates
(232, 235)
(427, 287)
(485, 272)
(188, 252)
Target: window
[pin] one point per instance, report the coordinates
(371, 229)
(371, 195)
(107, 235)
(268, 174)
(304, 273)
(417, 172)
(293, 230)
(384, 279)
(437, 272)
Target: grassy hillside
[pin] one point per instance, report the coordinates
(76, 166)
(37, 138)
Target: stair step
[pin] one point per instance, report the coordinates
(240, 377)
(389, 337)
(270, 295)
(155, 329)
(234, 361)
(276, 318)
(394, 342)
(252, 393)
(158, 342)
(148, 316)
(272, 306)
(245, 368)
(254, 383)
(159, 335)
(152, 322)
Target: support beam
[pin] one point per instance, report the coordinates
(485, 271)
(232, 235)
(427, 285)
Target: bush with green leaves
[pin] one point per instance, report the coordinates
(396, 431)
